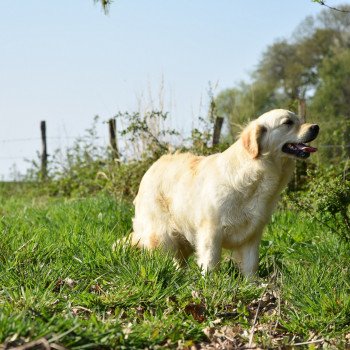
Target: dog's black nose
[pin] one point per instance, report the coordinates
(315, 129)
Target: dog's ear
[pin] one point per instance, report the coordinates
(251, 139)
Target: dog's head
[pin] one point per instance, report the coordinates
(279, 133)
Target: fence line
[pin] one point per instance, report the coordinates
(334, 146)
(100, 138)
(10, 158)
(319, 146)
(48, 138)
(112, 143)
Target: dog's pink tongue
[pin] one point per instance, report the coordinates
(306, 148)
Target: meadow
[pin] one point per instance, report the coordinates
(63, 286)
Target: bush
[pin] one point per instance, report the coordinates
(326, 198)
(86, 167)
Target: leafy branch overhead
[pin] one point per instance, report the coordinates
(323, 3)
(105, 4)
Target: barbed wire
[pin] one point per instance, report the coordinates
(333, 146)
(48, 138)
(11, 158)
(99, 138)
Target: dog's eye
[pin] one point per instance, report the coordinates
(288, 122)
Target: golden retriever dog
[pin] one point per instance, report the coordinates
(188, 203)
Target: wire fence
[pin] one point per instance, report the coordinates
(28, 140)
(72, 138)
(33, 151)
(38, 138)
(27, 149)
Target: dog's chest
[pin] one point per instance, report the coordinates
(244, 214)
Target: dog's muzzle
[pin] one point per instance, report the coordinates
(301, 149)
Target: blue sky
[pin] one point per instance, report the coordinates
(65, 61)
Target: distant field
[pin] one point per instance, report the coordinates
(61, 285)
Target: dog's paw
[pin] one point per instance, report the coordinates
(121, 242)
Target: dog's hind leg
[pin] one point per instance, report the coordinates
(183, 249)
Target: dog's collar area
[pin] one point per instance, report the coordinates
(300, 150)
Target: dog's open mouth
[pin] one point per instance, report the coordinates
(300, 150)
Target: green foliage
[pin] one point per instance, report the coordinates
(330, 102)
(241, 104)
(87, 167)
(326, 198)
(105, 4)
(200, 139)
(148, 129)
(333, 93)
(74, 171)
(282, 67)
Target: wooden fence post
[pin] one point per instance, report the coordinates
(301, 167)
(217, 130)
(302, 109)
(218, 121)
(113, 138)
(44, 150)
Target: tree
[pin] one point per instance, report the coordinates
(333, 94)
(314, 65)
(331, 100)
(282, 67)
(292, 67)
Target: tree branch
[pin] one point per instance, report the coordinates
(105, 4)
(322, 2)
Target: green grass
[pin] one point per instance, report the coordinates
(60, 280)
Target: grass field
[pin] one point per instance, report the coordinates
(61, 285)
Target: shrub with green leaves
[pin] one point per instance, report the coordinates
(327, 198)
(88, 167)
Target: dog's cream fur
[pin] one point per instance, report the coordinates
(189, 203)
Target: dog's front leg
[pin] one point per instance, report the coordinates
(208, 247)
(248, 257)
